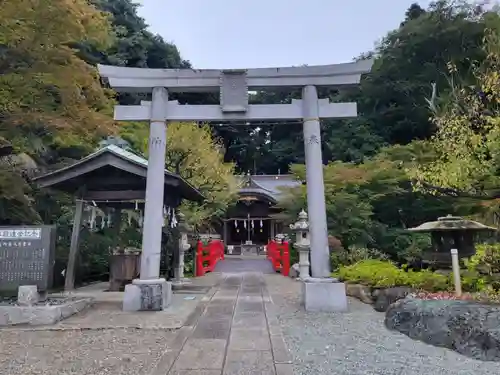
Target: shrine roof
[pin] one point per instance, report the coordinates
(104, 160)
(271, 186)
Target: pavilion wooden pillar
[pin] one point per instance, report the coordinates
(116, 223)
(224, 232)
(69, 281)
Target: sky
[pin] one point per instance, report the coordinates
(225, 34)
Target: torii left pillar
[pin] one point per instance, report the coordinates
(150, 292)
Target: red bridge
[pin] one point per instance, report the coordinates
(210, 257)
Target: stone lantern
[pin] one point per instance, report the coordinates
(302, 243)
(184, 246)
(280, 238)
(451, 232)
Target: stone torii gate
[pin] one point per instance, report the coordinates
(233, 86)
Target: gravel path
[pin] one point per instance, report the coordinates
(89, 352)
(357, 343)
(101, 341)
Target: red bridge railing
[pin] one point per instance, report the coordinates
(279, 255)
(207, 256)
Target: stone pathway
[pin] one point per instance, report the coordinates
(244, 264)
(234, 334)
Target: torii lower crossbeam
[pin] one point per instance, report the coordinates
(257, 112)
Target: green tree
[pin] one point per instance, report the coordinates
(392, 97)
(468, 133)
(194, 154)
(134, 45)
(50, 98)
(370, 204)
(51, 102)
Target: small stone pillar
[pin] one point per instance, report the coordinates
(184, 246)
(27, 295)
(302, 243)
(456, 272)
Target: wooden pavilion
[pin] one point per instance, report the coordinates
(110, 177)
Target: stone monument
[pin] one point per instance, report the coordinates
(27, 255)
(233, 86)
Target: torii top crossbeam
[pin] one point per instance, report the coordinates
(124, 79)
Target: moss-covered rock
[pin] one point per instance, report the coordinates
(469, 328)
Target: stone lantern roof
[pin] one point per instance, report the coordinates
(451, 223)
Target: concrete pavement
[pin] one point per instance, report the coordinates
(234, 333)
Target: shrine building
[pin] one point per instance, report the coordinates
(254, 219)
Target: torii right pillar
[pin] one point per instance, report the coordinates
(320, 255)
(321, 292)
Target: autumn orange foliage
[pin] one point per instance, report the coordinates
(43, 83)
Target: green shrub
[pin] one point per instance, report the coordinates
(483, 270)
(427, 280)
(383, 274)
(189, 268)
(486, 261)
(374, 273)
(488, 295)
(361, 266)
(472, 281)
(354, 254)
(294, 255)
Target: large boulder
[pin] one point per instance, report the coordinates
(469, 328)
(361, 292)
(385, 297)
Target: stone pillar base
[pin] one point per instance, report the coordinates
(178, 284)
(147, 295)
(324, 295)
